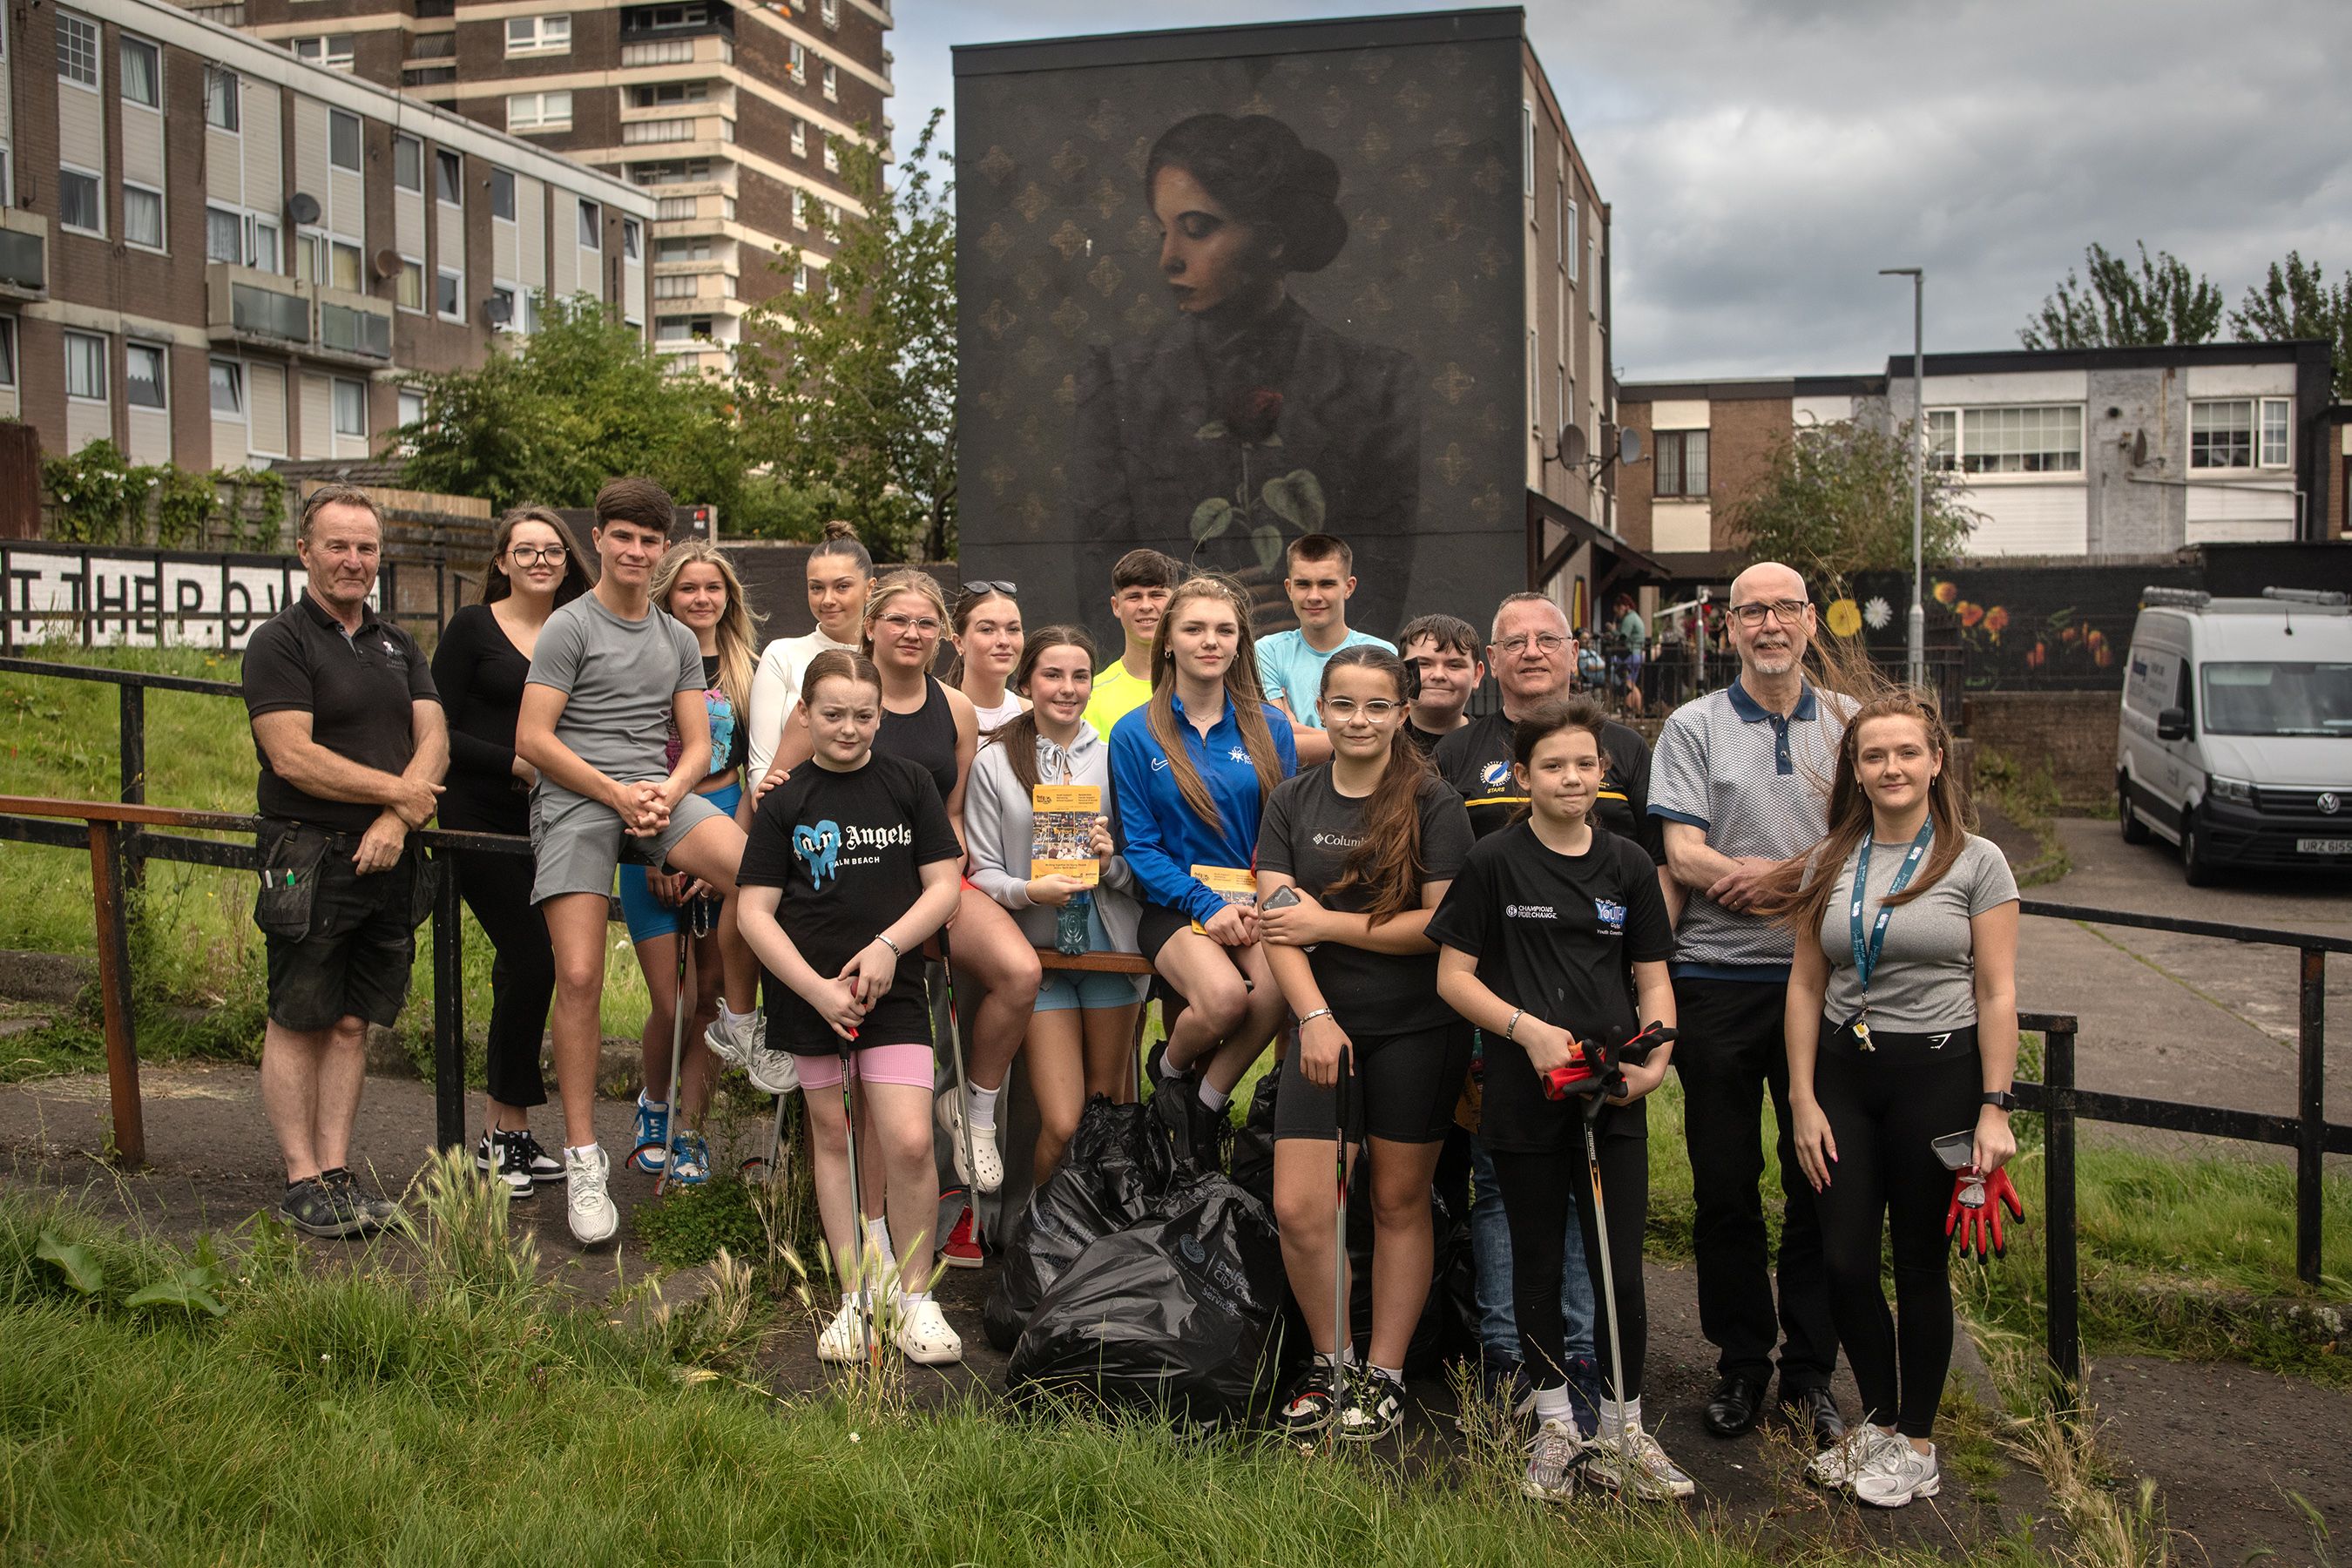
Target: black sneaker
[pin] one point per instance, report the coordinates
(499, 1157)
(1311, 1407)
(1374, 1406)
(311, 1209)
(370, 1214)
(545, 1169)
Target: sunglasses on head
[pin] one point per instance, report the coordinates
(980, 589)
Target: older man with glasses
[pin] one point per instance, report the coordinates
(1741, 783)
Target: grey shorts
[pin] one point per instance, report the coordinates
(577, 842)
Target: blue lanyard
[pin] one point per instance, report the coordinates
(1865, 957)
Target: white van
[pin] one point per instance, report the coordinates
(2236, 739)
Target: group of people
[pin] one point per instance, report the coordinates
(1452, 924)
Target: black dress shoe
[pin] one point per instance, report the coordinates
(1814, 1410)
(1736, 1404)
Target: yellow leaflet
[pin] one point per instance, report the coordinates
(1059, 844)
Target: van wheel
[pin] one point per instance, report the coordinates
(2196, 868)
(2135, 830)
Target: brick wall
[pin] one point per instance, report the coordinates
(1741, 435)
(2074, 732)
(1634, 482)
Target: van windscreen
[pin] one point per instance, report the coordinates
(2250, 699)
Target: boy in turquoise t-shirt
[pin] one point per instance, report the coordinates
(1318, 573)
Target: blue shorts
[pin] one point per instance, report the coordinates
(1067, 988)
(647, 916)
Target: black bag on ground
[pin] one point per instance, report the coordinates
(1115, 1165)
(1253, 1145)
(1179, 1313)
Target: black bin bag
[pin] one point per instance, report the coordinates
(1118, 1161)
(1180, 1313)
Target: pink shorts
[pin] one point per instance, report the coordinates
(912, 1065)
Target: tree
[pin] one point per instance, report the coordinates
(1835, 500)
(849, 383)
(582, 399)
(2295, 301)
(2161, 302)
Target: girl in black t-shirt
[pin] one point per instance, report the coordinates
(1371, 840)
(1555, 931)
(849, 866)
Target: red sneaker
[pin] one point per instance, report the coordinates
(961, 1251)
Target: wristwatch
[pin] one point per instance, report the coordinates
(2000, 1100)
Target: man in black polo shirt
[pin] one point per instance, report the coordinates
(352, 746)
(1532, 651)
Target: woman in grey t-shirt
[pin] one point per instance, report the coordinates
(1902, 1029)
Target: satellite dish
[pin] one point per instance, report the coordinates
(302, 207)
(387, 263)
(498, 310)
(1571, 447)
(1629, 445)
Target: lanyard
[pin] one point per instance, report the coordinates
(1866, 958)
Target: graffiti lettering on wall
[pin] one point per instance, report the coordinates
(144, 598)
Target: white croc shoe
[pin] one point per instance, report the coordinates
(924, 1336)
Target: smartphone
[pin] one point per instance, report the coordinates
(1283, 897)
(1956, 1150)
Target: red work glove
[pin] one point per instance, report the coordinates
(1975, 1211)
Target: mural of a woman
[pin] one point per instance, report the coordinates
(1245, 421)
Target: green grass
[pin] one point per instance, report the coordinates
(197, 957)
(444, 1414)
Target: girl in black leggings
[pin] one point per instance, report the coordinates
(1554, 932)
(1902, 1029)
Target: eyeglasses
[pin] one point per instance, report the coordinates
(923, 625)
(1379, 710)
(1751, 615)
(1544, 642)
(533, 554)
(980, 589)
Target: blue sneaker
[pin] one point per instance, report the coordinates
(653, 1136)
(689, 1159)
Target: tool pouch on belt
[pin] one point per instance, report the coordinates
(425, 873)
(292, 857)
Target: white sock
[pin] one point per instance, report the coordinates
(1551, 1404)
(1344, 1357)
(979, 1108)
(1616, 1415)
(877, 1237)
(1393, 1373)
(1214, 1098)
(910, 1297)
(650, 1103)
(728, 1016)
(583, 1150)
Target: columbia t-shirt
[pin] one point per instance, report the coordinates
(847, 849)
(1477, 761)
(1556, 935)
(1291, 670)
(1309, 830)
(620, 680)
(1926, 978)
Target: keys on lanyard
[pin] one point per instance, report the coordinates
(1865, 953)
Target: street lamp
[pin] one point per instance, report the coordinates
(1918, 637)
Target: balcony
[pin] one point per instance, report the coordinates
(261, 309)
(670, 128)
(24, 254)
(710, 49)
(354, 328)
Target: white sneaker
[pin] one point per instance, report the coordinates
(843, 1341)
(587, 1204)
(1654, 1477)
(1836, 1465)
(924, 1336)
(1552, 1463)
(989, 1175)
(745, 1046)
(1896, 1473)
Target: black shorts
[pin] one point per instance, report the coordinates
(1155, 925)
(352, 959)
(1402, 1087)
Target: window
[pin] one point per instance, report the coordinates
(829, 12)
(1535, 392)
(679, 287)
(77, 50)
(832, 85)
(78, 202)
(592, 227)
(228, 388)
(695, 248)
(448, 176)
(411, 406)
(221, 95)
(1528, 155)
(832, 156)
(85, 367)
(796, 63)
(264, 251)
(7, 351)
(223, 236)
(800, 138)
(632, 239)
(345, 273)
(800, 278)
(408, 294)
(1681, 466)
(335, 52)
(142, 375)
(2238, 433)
(660, 93)
(681, 329)
(143, 73)
(343, 139)
(539, 111)
(1593, 274)
(502, 193)
(662, 18)
(142, 217)
(2026, 439)
(408, 163)
(350, 407)
(502, 308)
(540, 35)
(449, 295)
(1569, 220)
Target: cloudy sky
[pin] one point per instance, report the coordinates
(1764, 158)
